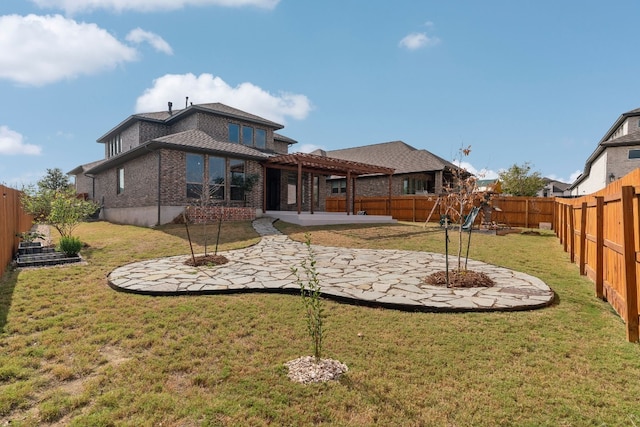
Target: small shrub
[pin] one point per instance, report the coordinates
(70, 245)
(310, 292)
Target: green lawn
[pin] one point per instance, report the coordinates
(75, 352)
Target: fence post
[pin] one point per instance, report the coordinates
(572, 234)
(583, 238)
(565, 209)
(630, 287)
(600, 247)
(526, 213)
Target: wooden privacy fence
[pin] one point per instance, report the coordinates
(601, 232)
(513, 211)
(13, 220)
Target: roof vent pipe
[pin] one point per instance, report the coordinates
(186, 102)
(170, 105)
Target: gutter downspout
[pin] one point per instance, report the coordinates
(159, 186)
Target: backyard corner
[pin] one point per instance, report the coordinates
(78, 353)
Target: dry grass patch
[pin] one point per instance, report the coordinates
(135, 360)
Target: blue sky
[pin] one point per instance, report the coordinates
(519, 81)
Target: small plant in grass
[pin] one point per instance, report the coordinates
(310, 292)
(70, 245)
(312, 369)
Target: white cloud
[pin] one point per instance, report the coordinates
(74, 6)
(572, 177)
(11, 142)
(36, 50)
(480, 174)
(308, 148)
(158, 43)
(416, 41)
(207, 88)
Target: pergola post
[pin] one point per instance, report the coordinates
(353, 195)
(312, 199)
(348, 191)
(264, 188)
(299, 188)
(390, 185)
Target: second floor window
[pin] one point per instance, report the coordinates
(261, 138)
(247, 135)
(634, 154)
(114, 146)
(234, 133)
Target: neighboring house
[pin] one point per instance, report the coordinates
(416, 171)
(157, 163)
(553, 188)
(489, 186)
(617, 154)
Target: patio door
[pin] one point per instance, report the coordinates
(273, 189)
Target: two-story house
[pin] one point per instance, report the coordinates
(617, 154)
(211, 155)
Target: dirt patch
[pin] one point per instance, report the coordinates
(207, 260)
(460, 279)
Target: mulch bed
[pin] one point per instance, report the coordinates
(207, 260)
(460, 279)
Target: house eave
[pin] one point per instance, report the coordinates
(152, 146)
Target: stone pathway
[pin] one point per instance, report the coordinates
(386, 278)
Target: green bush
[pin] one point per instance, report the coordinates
(70, 245)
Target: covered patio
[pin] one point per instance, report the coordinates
(316, 166)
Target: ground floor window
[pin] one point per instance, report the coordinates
(237, 170)
(120, 180)
(292, 189)
(338, 186)
(222, 175)
(217, 175)
(413, 186)
(195, 175)
(316, 191)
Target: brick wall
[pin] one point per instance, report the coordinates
(618, 161)
(140, 184)
(208, 214)
(376, 186)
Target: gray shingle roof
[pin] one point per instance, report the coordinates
(199, 139)
(166, 118)
(632, 138)
(395, 154)
(279, 137)
(83, 168)
(214, 107)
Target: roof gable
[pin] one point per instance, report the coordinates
(168, 118)
(396, 155)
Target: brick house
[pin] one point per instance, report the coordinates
(416, 171)
(157, 163)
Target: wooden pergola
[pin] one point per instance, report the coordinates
(321, 165)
